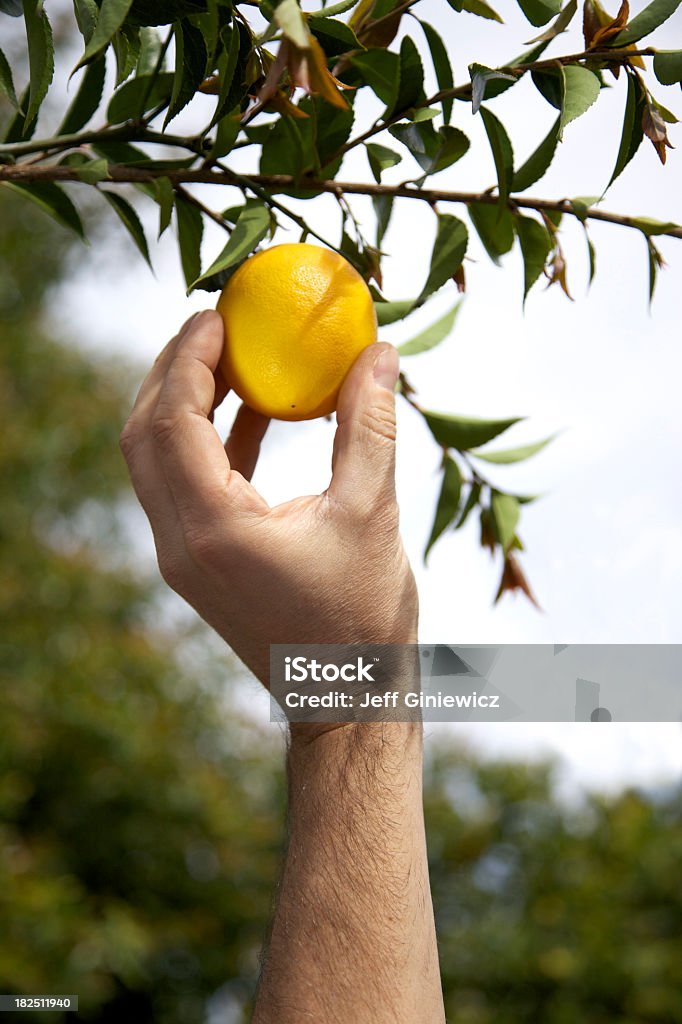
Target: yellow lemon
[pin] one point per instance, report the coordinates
(296, 318)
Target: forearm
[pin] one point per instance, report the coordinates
(353, 937)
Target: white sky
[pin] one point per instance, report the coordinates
(604, 546)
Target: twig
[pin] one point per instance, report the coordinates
(464, 91)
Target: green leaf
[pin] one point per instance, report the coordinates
(538, 162)
(580, 89)
(90, 171)
(150, 50)
(383, 208)
(509, 455)
(190, 67)
(289, 17)
(165, 197)
(335, 37)
(441, 65)
(536, 245)
(463, 432)
(138, 95)
(18, 127)
(12, 7)
(650, 227)
(633, 131)
(410, 88)
(539, 12)
(433, 150)
(252, 226)
(40, 55)
(649, 19)
(549, 85)
(560, 25)
(495, 228)
(469, 505)
(130, 220)
(481, 76)
(380, 159)
(228, 66)
(53, 200)
(432, 336)
(502, 151)
(289, 149)
(111, 16)
(87, 13)
(478, 7)
(655, 261)
(448, 252)
(668, 66)
(226, 134)
(7, 82)
(126, 47)
(448, 502)
(592, 255)
(380, 70)
(452, 145)
(506, 513)
(190, 231)
(391, 312)
(87, 99)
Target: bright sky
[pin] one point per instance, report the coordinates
(604, 545)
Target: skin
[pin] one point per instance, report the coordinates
(353, 937)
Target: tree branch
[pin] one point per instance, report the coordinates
(460, 92)
(285, 183)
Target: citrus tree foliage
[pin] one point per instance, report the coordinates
(286, 85)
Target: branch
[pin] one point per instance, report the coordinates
(285, 183)
(460, 92)
(126, 133)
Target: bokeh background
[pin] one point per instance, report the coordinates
(141, 783)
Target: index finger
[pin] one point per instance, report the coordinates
(204, 487)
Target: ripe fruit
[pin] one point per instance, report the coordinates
(296, 317)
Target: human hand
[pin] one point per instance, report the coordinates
(327, 568)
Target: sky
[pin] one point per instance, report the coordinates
(604, 551)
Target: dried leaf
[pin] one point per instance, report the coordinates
(606, 28)
(513, 578)
(654, 128)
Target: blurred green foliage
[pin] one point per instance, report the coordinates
(141, 822)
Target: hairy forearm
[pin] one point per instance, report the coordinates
(353, 937)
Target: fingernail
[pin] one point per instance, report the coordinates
(387, 368)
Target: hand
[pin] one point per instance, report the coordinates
(327, 568)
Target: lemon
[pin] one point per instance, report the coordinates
(296, 318)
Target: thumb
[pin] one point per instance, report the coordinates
(363, 460)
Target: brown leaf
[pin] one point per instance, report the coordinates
(655, 129)
(609, 29)
(558, 272)
(210, 86)
(513, 578)
(460, 279)
(488, 538)
(373, 265)
(372, 32)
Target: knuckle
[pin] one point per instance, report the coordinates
(129, 439)
(164, 428)
(171, 570)
(201, 548)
